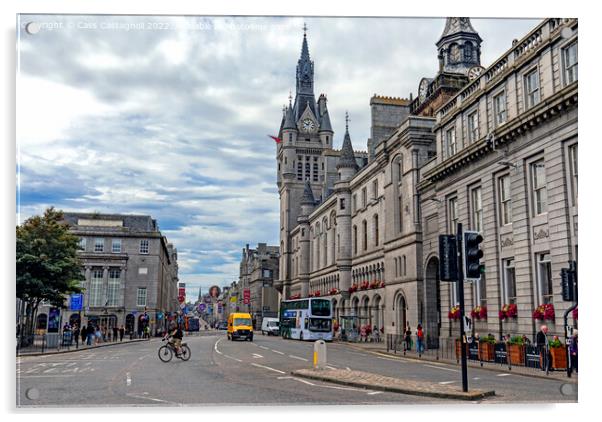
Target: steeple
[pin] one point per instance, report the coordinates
(305, 81)
(459, 46)
(289, 118)
(324, 118)
(347, 159)
(308, 195)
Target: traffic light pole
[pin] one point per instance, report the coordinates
(460, 287)
(569, 368)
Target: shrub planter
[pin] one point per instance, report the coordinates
(486, 352)
(516, 353)
(558, 357)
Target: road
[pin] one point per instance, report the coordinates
(241, 373)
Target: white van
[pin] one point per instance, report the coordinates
(270, 326)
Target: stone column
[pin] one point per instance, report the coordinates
(86, 303)
(305, 250)
(105, 285)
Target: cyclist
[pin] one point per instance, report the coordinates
(176, 335)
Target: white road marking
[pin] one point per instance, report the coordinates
(394, 360)
(372, 393)
(297, 357)
(445, 369)
(276, 351)
(503, 375)
(330, 367)
(476, 378)
(151, 398)
(263, 347)
(128, 379)
(233, 358)
(446, 382)
(255, 355)
(267, 367)
(46, 376)
(348, 368)
(215, 347)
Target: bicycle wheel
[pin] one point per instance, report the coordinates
(165, 353)
(185, 352)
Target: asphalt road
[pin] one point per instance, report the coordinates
(223, 372)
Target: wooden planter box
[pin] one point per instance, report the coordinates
(458, 350)
(516, 354)
(558, 357)
(486, 352)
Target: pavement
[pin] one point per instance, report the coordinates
(240, 373)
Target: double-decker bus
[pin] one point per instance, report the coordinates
(306, 319)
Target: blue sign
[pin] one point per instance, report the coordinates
(77, 301)
(159, 315)
(290, 314)
(202, 307)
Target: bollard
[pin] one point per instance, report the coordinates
(320, 354)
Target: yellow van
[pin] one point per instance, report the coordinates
(240, 325)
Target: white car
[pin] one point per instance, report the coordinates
(270, 326)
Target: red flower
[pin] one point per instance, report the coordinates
(575, 313)
(545, 311)
(454, 313)
(353, 288)
(334, 291)
(508, 311)
(382, 284)
(364, 285)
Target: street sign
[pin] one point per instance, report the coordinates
(467, 324)
(202, 307)
(448, 258)
(246, 296)
(76, 302)
(182, 305)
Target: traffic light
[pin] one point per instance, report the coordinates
(567, 282)
(472, 255)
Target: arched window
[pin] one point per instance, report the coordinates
(365, 232)
(396, 271)
(355, 240)
(375, 229)
(468, 51)
(403, 262)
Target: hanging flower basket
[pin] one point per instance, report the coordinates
(508, 311)
(480, 312)
(382, 284)
(353, 288)
(575, 313)
(454, 313)
(317, 293)
(297, 296)
(544, 312)
(334, 291)
(365, 285)
(375, 284)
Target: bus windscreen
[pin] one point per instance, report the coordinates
(320, 307)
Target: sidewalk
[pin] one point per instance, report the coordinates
(395, 385)
(36, 351)
(381, 349)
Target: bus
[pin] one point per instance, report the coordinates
(306, 319)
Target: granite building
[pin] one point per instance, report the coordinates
(131, 271)
(492, 147)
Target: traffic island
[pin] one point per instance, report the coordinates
(393, 385)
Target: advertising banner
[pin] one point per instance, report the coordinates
(76, 302)
(246, 296)
(54, 320)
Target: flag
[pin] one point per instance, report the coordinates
(278, 140)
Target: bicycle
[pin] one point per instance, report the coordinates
(167, 351)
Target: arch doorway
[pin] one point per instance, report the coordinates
(365, 312)
(129, 323)
(432, 299)
(376, 315)
(400, 314)
(41, 322)
(75, 319)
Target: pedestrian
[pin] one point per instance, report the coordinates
(543, 348)
(76, 335)
(363, 333)
(97, 335)
(419, 339)
(573, 351)
(375, 335)
(91, 335)
(121, 332)
(408, 337)
(103, 333)
(84, 334)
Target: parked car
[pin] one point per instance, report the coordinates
(223, 325)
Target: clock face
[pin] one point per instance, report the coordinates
(308, 125)
(422, 89)
(474, 72)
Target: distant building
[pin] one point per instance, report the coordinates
(131, 271)
(258, 270)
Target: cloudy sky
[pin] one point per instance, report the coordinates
(168, 116)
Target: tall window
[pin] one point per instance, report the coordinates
(573, 166)
(364, 197)
(376, 230)
(505, 200)
(477, 209)
(355, 240)
(452, 212)
(404, 267)
(538, 182)
(532, 88)
(375, 189)
(99, 244)
(365, 233)
(82, 243)
(342, 203)
(144, 246)
(354, 204)
(96, 288)
(450, 141)
(400, 201)
(473, 127)
(299, 170)
(113, 288)
(307, 169)
(509, 280)
(116, 245)
(569, 58)
(544, 276)
(141, 296)
(316, 174)
(482, 293)
(499, 108)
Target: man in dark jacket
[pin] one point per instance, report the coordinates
(543, 347)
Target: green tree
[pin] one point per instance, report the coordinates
(47, 264)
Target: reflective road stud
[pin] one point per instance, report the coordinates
(320, 354)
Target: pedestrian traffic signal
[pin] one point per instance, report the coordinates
(472, 255)
(567, 282)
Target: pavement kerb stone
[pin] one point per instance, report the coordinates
(323, 375)
(424, 358)
(82, 349)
